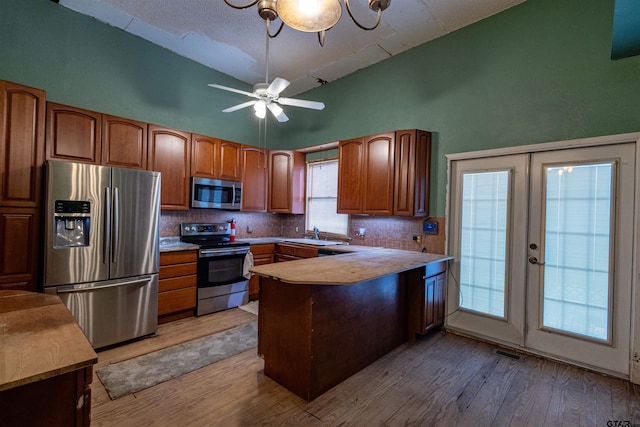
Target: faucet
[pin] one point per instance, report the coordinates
(316, 231)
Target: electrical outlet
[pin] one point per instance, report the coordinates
(296, 229)
(249, 229)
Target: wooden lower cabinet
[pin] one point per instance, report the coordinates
(428, 289)
(262, 254)
(177, 290)
(19, 252)
(292, 252)
(63, 400)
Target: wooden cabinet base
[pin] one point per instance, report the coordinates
(64, 400)
(312, 337)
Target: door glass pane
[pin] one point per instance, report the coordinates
(483, 244)
(576, 249)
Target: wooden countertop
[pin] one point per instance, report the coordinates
(347, 269)
(39, 339)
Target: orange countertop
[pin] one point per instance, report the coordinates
(39, 339)
(348, 268)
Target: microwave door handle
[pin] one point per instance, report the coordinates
(106, 249)
(116, 225)
(233, 195)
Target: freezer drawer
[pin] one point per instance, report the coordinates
(113, 311)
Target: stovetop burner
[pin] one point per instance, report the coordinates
(208, 235)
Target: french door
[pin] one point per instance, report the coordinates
(543, 247)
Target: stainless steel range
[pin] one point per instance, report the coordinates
(221, 284)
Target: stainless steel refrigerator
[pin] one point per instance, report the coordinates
(102, 248)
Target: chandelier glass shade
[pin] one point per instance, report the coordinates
(309, 16)
(315, 16)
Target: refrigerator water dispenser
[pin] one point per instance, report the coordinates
(72, 221)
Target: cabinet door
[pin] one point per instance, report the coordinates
(254, 179)
(229, 161)
(429, 307)
(73, 134)
(350, 175)
(19, 248)
(412, 166)
(124, 142)
(169, 154)
(286, 182)
(22, 111)
(203, 156)
(439, 303)
(378, 174)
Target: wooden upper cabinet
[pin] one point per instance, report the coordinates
(170, 154)
(377, 194)
(216, 159)
(73, 134)
(203, 156)
(350, 172)
(365, 175)
(254, 179)
(385, 174)
(286, 182)
(412, 170)
(229, 160)
(22, 111)
(124, 142)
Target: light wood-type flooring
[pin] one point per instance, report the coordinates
(441, 379)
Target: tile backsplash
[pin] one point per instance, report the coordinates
(389, 232)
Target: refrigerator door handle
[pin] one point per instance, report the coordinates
(106, 250)
(85, 288)
(116, 225)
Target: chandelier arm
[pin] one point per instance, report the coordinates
(355, 21)
(253, 3)
(273, 36)
(321, 37)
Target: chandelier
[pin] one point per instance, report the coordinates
(312, 16)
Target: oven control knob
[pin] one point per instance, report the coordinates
(187, 228)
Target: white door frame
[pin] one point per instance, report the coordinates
(634, 357)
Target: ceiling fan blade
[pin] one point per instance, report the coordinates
(230, 89)
(239, 106)
(316, 105)
(277, 86)
(277, 112)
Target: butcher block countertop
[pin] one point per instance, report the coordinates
(39, 339)
(347, 269)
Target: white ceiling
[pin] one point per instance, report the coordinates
(233, 41)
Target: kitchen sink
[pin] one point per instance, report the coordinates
(314, 242)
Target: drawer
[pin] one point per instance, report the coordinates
(175, 301)
(177, 283)
(263, 249)
(262, 259)
(296, 250)
(178, 257)
(167, 271)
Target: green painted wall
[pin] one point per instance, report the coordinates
(538, 72)
(82, 62)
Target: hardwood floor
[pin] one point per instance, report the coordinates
(441, 379)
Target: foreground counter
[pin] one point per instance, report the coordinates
(321, 320)
(46, 362)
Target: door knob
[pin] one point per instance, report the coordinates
(534, 260)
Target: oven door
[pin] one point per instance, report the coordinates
(220, 266)
(220, 282)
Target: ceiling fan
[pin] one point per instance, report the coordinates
(267, 96)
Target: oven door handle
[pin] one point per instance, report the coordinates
(208, 253)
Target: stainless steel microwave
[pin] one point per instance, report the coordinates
(215, 194)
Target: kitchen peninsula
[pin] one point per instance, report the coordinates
(321, 320)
